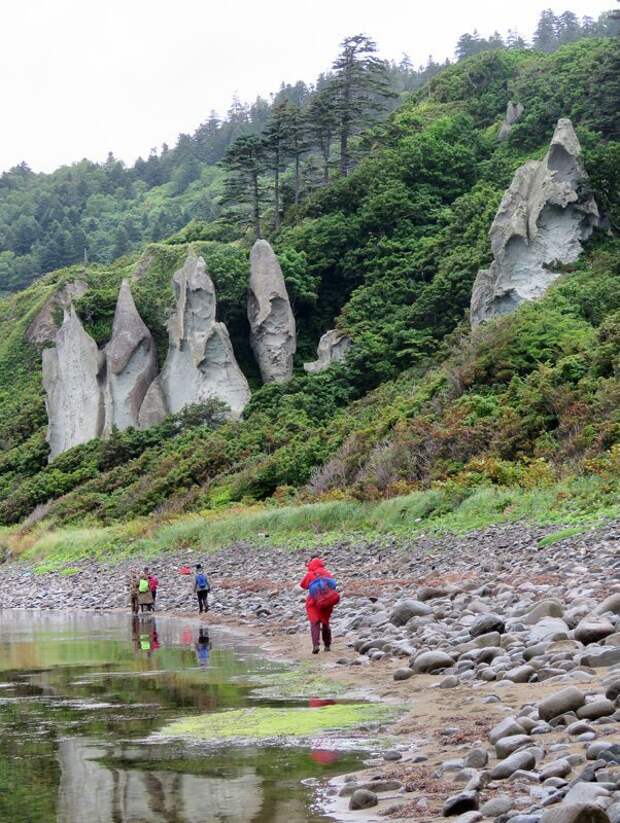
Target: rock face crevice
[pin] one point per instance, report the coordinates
(73, 372)
(333, 347)
(201, 362)
(273, 335)
(131, 364)
(545, 215)
(43, 327)
(513, 115)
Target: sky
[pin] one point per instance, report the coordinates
(80, 78)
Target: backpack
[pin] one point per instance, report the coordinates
(201, 582)
(323, 592)
(143, 585)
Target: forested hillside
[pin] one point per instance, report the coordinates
(100, 211)
(388, 253)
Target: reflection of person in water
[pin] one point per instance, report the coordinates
(203, 646)
(144, 635)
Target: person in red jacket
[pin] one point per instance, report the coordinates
(319, 618)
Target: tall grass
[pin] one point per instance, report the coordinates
(574, 503)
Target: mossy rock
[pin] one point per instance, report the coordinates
(264, 723)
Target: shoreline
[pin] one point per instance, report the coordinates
(499, 623)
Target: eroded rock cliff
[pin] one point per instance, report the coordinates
(201, 363)
(545, 215)
(333, 346)
(273, 334)
(43, 328)
(72, 379)
(131, 364)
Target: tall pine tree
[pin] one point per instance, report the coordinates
(362, 86)
(245, 162)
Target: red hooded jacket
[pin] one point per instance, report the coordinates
(316, 569)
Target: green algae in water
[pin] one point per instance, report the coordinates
(263, 723)
(303, 682)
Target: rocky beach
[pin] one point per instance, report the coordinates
(501, 647)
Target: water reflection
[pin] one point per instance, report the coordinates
(156, 795)
(80, 697)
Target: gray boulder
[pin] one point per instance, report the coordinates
(430, 661)
(601, 657)
(513, 113)
(591, 630)
(486, 623)
(612, 692)
(497, 805)
(200, 364)
(131, 364)
(549, 628)
(507, 745)
(72, 379)
(519, 760)
(575, 813)
(460, 803)
(406, 609)
(546, 608)
(599, 707)
(333, 347)
(363, 799)
(610, 604)
(567, 700)
(545, 215)
(273, 335)
(508, 727)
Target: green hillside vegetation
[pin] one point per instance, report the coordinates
(104, 210)
(520, 416)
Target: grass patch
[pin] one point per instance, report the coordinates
(265, 723)
(556, 537)
(575, 504)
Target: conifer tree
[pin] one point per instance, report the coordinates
(361, 85)
(275, 144)
(245, 162)
(322, 124)
(546, 34)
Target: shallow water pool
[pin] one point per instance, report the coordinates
(82, 698)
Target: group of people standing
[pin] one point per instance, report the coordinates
(318, 582)
(143, 589)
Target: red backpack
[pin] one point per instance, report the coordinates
(323, 592)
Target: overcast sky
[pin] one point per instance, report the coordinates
(80, 78)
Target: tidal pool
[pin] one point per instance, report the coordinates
(83, 698)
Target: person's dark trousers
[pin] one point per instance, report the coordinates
(203, 605)
(154, 599)
(316, 630)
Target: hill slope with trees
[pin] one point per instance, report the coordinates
(388, 252)
(100, 211)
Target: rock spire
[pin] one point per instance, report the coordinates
(273, 335)
(72, 379)
(545, 215)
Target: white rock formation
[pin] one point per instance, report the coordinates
(43, 327)
(72, 374)
(200, 363)
(543, 218)
(154, 407)
(513, 114)
(333, 346)
(273, 335)
(131, 364)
